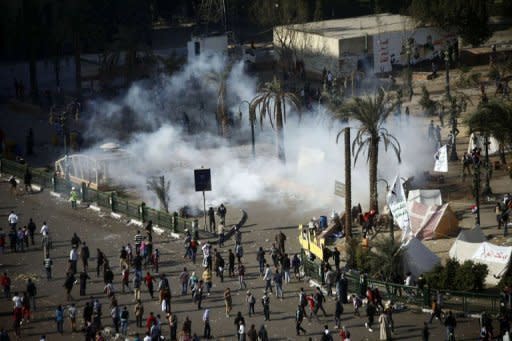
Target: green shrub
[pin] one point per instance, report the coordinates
(467, 276)
(362, 259)
(480, 271)
(433, 277)
(464, 277)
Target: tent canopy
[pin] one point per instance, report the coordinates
(477, 140)
(426, 196)
(497, 258)
(418, 258)
(474, 235)
(432, 222)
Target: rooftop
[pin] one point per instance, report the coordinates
(358, 26)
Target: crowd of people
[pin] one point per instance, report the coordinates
(139, 273)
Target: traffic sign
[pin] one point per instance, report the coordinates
(339, 188)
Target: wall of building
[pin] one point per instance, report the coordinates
(390, 47)
(317, 52)
(216, 44)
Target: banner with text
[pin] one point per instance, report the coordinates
(441, 164)
(398, 206)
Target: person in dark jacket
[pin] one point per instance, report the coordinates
(83, 282)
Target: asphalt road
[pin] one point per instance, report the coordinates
(99, 230)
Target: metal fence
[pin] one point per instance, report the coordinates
(467, 302)
(108, 200)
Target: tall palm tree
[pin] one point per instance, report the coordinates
(220, 79)
(493, 118)
(371, 112)
(271, 101)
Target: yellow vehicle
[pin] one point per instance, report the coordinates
(317, 242)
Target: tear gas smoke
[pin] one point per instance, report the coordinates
(169, 128)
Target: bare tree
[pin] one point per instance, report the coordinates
(161, 188)
(282, 15)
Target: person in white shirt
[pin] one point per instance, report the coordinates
(241, 331)
(267, 277)
(17, 301)
(44, 229)
(73, 259)
(12, 219)
(408, 280)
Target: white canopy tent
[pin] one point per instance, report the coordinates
(427, 197)
(497, 258)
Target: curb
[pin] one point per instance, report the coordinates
(158, 230)
(55, 194)
(315, 284)
(174, 235)
(135, 222)
(115, 215)
(95, 208)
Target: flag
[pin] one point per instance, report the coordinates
(441, 164)
(398, 206)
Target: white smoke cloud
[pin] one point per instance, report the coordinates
(148, 122)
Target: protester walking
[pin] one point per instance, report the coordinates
(251, 301)
(228, 301)
(385, 330)
(265, 301)
(31, 292)
(450, 323)
(207, 332)
(370, 314)
(299, 317)
(59, 319)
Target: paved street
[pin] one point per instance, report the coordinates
(102, 231)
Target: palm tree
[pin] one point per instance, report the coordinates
(271, 101)
(493, 118)
(220, 78)
(371, 112)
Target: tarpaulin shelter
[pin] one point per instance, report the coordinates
(426, 196)
(417, 258)
(431, 221)
(497, 258)
(474, 235)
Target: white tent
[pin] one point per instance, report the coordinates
(497, 258)
(418, 258)
(426, 196)
(476, 140)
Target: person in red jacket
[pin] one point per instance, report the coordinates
(149, 283)
(5, 281)
(150, 321)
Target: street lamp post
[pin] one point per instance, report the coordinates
(64, 125)
(408, 51)
(251, 121)
(454, 130)
(487, 188)
(447, 66)
(476, 186)
(390, 215)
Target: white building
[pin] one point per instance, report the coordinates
(379, 41)
(208, 44)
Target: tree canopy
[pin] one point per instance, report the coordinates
(469, 18)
